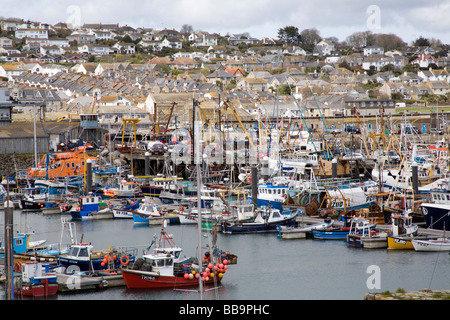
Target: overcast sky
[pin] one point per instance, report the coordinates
(408, 19)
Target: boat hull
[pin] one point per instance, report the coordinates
(400, 243)
(42, 289)
(354, 240)
(92, 215)
(436, 216)
(137, 279)
(254, 227)
(31, 205)
(340, 234)
(431, 245)
(292, 233)
(374, 242)
(122, 214)
(93, 264)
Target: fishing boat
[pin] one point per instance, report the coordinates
(147, 213)
(439, 244)
(436, 211)
(35, 280)
(402, 231)
(90, 207)
(159, 184)
(300, 232)
(126, 210)
(22, 244)
(333, 232)
(165, 268)
(61, 165)
(270, 194)
(33, 199)
(82, 257)
(267, 219)
(360, 228)
(125, 189)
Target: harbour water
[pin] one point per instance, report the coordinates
(268, 268)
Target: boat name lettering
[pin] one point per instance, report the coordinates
(400, 241)
(145, 277)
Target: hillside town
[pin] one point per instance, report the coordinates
(154, 75)
(62, 68)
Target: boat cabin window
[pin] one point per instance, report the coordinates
(275, 214)
(74, 251)
(83, 252)
(19, 241)
(163, 262)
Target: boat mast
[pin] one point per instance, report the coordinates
(199, 188)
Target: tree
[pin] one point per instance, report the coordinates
(310, 37)
(186, 29)
(421, 42)
(360, 39)
(289, 34)
(388, 41)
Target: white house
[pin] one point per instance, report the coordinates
(323, 48)
(173, 43)
(204, 39)
(424, 60)
(59, 42)
(51, 50)
(31, 33)
(127, 48)
(95, 49)
(103, 35)
(373, 50)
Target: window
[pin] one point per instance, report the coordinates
(74, 251)
(83, 252)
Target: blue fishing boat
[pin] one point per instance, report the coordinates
(90, 207)
(271, 195)
(82, 257)
(267, 220)
(147, 211)
(333, 232)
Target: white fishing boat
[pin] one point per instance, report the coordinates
(439, 244)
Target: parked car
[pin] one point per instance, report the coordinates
(157, 148)
(351, 129)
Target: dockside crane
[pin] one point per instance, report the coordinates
(229, 104)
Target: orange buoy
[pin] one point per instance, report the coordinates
(124, 260)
